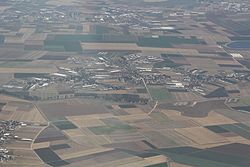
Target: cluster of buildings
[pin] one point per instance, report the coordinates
(199, 81)
(66, 82)
(120, 16)
(33, 12)
(140, 71)
(241, 6)
(136, 20)
(7, 129)
(104, 74)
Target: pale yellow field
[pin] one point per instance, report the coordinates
(87, 122)
(200, 135)
(133, 111)
(35, 54)
(6, 98)
(119, 162)
(177, 137)
(147, 161)
(85, 152)
(92, 116)
(186, 96)
(184, 52)
(20, 40)
(213, 118)
(40, 145)
(75, 132)
(91, 140)
(32, 115)
(134, 117)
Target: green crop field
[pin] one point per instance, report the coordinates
(160, 117)
(104, 130)
(167, 41)
(222, 158)
(159, 165)
(13, 64)
(216, 129)
(29, 75)
(160, 93)
(64, 125)
(166, 63)
(198, 162)
(237, 129)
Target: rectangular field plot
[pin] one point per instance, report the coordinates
(113, 122)
(2, 105)
(224, 158)
(59, 146)
(158, 165)
(236, 149)
(53, 57)
(11, 53)
(244, 126)
(136, 146)
(50, 157)
(141, 90)
(160, 94)
(159, 140)
(102, 130)
(126, 137)
(180, 150)
(112, 125)
(200, 135)
(64, 125)
(159, 116)
(167, 41)
(217, 129)
(242, 108)
(91, 122)
(50, 134)
(60, 110)
(237, 129)
(29, 75)
(127, 106)
(195, 161)
(13, 64)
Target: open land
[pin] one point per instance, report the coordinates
(146, 83)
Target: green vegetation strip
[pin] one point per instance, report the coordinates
(158, 165)
(64, 125)
(160, 93)
(197, 162)
(217, 129)
(113, 125)
(13, 64)
(29, 75)
(237, 129)
(72, 42)
(205, 158)
(102, 130)
(160, 117)
(167, 41)
(166, 63)
(127, 106)
(223, 158)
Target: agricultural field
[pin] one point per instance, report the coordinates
(135, 83)
(92, 135)
(160, 94)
